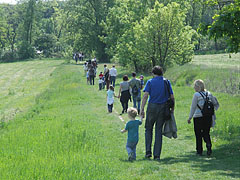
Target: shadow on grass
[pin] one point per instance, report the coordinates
(225, 159)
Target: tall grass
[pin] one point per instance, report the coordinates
(68, 134)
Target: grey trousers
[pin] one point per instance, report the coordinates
(155, 116)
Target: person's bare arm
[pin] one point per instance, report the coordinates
(144, 100)
(120, 89)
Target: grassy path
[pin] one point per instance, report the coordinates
(68, 134)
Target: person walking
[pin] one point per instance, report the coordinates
(91, 73)
(135, 85)
(106, 77)
(202, 124)
(124, 93)
(158, 94)
(132, 127)
(113, 74)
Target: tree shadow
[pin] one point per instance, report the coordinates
(225, 159)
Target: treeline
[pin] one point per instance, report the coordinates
(136, 33)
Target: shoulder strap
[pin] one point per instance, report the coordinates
(167, 84)
(205, 99)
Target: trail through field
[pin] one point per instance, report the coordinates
(67, 133)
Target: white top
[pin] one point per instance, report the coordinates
(198, 99)
(113, 72)
(110, 97)
(100, 81)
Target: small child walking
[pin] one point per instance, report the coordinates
(132, 127)
(110, 98)
(100, 84)
(87, 75)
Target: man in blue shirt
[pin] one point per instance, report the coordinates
(158, 95)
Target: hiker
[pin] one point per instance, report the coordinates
(135, 85)
(110, 98)
(132, 127)
(124, 93)
(100, 84)
(87, 76)
(142, 81)
(85, 67)
(91, 73)
(106, 77)
(202, 124)
(113, 74)
(158, 96)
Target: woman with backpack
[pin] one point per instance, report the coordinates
(124, 93)
(202, 112)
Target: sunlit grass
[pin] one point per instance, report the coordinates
(68, 134)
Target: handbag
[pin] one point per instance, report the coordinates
(170, 103)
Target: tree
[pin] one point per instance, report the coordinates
(84, 24)
(226, 24)
(162, 38)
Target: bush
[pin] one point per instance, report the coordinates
(8, 56)
(25, 50)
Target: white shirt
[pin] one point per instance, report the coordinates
(113, 72)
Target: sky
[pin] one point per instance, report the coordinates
(8, 1)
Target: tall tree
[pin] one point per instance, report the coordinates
(84, 21)
(162, 37)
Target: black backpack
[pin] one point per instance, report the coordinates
(135, 90)
(208, 107)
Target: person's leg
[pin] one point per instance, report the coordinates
(126, 106)
(150, 120)
(160, 109)
(93, 80)
(134, 98)
(90, 80)
(111, 80)
(138, 106)
(108, 107)
(134, 150)
(99, 85)
(198, 134)
(114, 80)
(111, 107)
(107, 84)
(123, 107)
(129, 147)
(207, 121)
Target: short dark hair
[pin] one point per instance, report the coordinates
(105, 65)
(111, 87)
(134, 74)
(125, 77)
(157, 70)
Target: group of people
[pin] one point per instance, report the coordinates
(90, 69)
(158, 93)
(78, 56)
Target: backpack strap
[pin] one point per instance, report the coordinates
(205, 99)
(167, 84)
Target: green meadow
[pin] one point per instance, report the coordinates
(55, 126)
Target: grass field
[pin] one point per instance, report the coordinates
(63, 130)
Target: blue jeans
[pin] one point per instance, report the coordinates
(137, 101)
(155, 116)
(112, 80)
(131, 148)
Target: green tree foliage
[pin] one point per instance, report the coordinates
(84, 24)
(227, 24)
(161, 38)
(46, 43)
